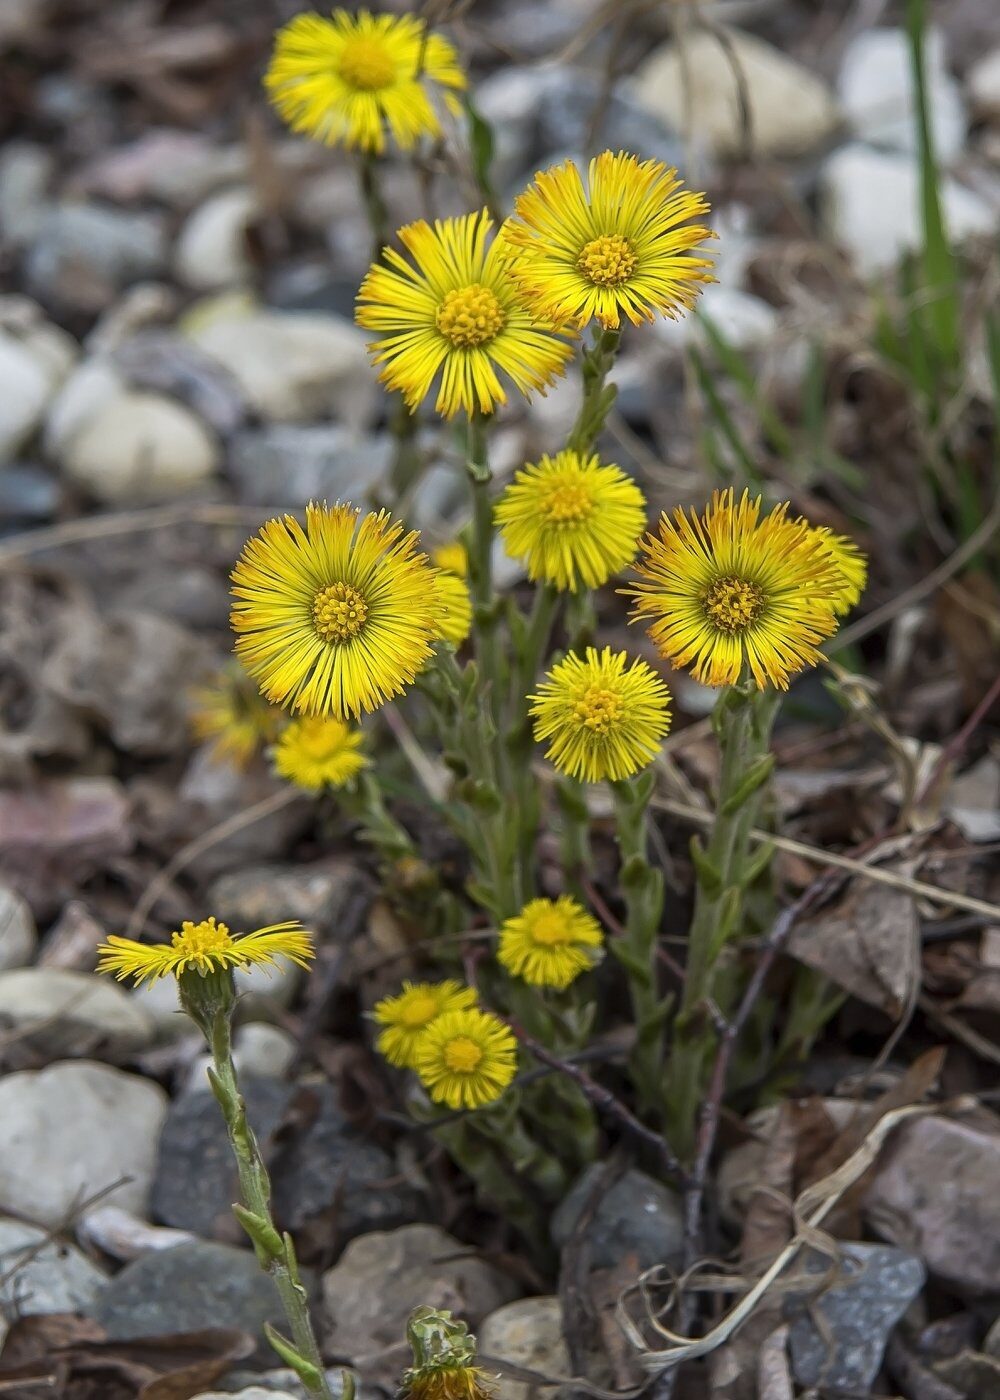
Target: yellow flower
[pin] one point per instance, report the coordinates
(550, 942)
(444, 1359)
(728, 591)
(571, 520)
(623, 247)
(318, 752)
(407, 1016)
(453, 557)
(337, 618)
(853, 567)
(231, 712)
(454, 607)
(601, 720)
(455, 312)
(466, 1059)
(345, 79)
(204, 948)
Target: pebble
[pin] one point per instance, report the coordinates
(745, 321)
(840, 1328)
(29, 495)
(85, 253)
(526, 1333)
(279, 1384)
(263, 1050)
(637, 1215)
(166, 164)
(25, 172)
(381, 1277)
(74, 1129)
(293, 367)
(875, 88)
(18, 935)
(566, 104)
(871, 206)
(35, 357)
(257, 895)
(122, 1235)
(792, 110)
(58, 1012)
(289, 464)
(39, 1275)
(211, 250)
(984, 84)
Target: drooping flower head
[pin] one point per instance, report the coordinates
(319, 752)
(727, 590)
(454, 313)
(232, 714)
(406, 1016)
(853, 566)
(348, 79)
(620, 246)
(336, 618)
(444, 1359)
(550, 942)
(453, 557)
(602, 717)
(454, 607)
(573, 521)
(466, 1059)
(203, 949)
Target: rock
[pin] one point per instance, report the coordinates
(168, 363)
(839, 1330)
(57, 1012)
(187, 1288)
(210, 791)
(255, 896)
(71, 941)
(25, 172)
(745, 321)
(140, 447)
(173, 166)
(875, 88)
(211, 249)
(527, 1333)
(85, 253)
(35, 357)
(70, 1131)
(290, 465)
(121, 1235)
(382, 1277)
(28, 496)
(638, 1215)
(18, 935)
(984, 84)
(871, 206)
(39, 1274)
(279, 1384)
(508, 99)
(294, 367)
(251, 1392)
(263, 1051)
(792, 111)
(952, 1220)
(568, 99)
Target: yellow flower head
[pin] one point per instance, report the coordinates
(453, 557)
(454, 607)
(455, 312)
(337, 618)
(204, 948)
(728, 590)
(318, 752)
(853, 567)
(466, 1059)
(571, 520)
(444, 1359)
(622, 247)
(601, 719)
(345, 79)
(550, 942)
(407, 1016)
(231, 712)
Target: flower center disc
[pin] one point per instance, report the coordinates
(549, 929)
(418, 1012)
(470, 316)
(202, 940)
(733, 604)
(568, 504)
(366, 65)
(462, 1055)
(339, 612)
(599, 710)
(607, 261)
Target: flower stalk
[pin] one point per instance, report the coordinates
(598, 395)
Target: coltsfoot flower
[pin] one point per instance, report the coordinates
(348, 79)
(572, 520)
(454, 313)
(602, 717)
(232, 714)
(853, 565)
(466, 1059)
(623, 246)
(728, 590)
(454, 607)
(338, 617)
(319, 752)
(406, 1016)
(550, 942)
(204, 948)
(452, 557)
(444, 1359)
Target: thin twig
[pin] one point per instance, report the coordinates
(958, 741)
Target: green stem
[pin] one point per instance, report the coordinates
(574, 832)
(598, 395)
(371, 198)
(531, 643)
(481, 562)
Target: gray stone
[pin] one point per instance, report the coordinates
(841, 1352)
(258, 895)
(28, 496)
(39, 1274)
(58, 1012)
(84, 253)
(18, 935)
(527, 1333)
(35, 358)
(638, 1215)
(211, 249)
(25, 171)
(263, 1050)
(875, 87)
(71, 1130)
(279, 1384)
(568, 101)
(187, 1288)
(984, 84)
(380, 1278)
(289, 465)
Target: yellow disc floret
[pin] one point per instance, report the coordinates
(470, 316)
